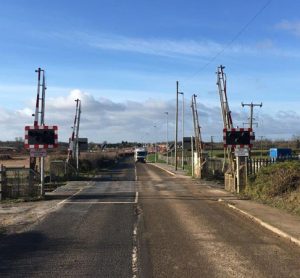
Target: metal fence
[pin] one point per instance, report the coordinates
(212, 166)
(255, 164)
(61, 170)
(216, 166)
(19, 182)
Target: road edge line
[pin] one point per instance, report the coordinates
(265, 224)
(171, 173)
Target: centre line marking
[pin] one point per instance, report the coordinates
(95, 202)
(136, 197)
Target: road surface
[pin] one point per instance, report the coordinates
(139, 221)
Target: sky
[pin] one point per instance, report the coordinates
(123, 58)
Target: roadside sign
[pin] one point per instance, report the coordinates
(38, 153)
(238, 137)
(241, 152)
(83, 144)
(41, 137)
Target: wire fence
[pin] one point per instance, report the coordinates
(19, 182)
(60, 170)
(217, 166)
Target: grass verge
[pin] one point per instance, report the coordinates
(151, 158)
(277, 185)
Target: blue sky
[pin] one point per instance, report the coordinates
(122, 58)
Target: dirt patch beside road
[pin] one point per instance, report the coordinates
(15, 161)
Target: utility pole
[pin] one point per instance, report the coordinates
(167, 143)
(212, 145)
(182, 123)
(155, 146)
(261, 149)
(176, 126)
(192, 151)
(251, 105)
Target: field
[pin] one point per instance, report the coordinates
(14, 160)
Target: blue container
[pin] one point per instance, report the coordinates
(280, 152)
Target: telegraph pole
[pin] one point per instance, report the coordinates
(192, 151)
(182, 123)
(212, 145)
(176, 126)
(155, 146)
(261, 149)
(251, 105)
(167, 144)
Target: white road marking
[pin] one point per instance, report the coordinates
(134, 257)
(134, 262)
(135, 172)
(266, 225)
(95, 202)
(136, 197)
(169, 172)
(65, 200)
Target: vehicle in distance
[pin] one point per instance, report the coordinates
(140, 154)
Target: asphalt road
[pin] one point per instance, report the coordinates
(185, 232)
(173, 227)
(90, 235)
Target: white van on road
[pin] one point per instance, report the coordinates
(140, 154)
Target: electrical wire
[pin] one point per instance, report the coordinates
(238, 34)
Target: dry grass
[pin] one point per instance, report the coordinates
(15, 161)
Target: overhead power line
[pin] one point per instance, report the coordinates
(238, 34)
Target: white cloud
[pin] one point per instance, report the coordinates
(292, 27)
(103, 119)
(163, 47)
(179, 48)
